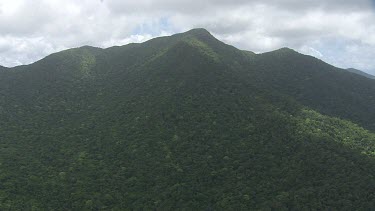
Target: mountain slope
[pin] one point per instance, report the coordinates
(352, 70)
(180, 122)
(313, 83)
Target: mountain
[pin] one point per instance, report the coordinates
(2, 68)
(318, 85)
(352, 70)
(185, 122)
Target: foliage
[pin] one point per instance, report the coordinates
(182, 122)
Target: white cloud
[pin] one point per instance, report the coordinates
(131, 39)
(30, 30)
(311, 51)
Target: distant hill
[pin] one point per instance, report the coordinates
(352, 70)
(316, 84)
(185, 122)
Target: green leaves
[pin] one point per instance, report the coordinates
(184, 123)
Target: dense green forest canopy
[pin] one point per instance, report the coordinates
(185, 122)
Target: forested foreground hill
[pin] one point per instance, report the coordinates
(185, 122)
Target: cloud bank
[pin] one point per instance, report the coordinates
(339, 32)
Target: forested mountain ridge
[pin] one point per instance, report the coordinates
(2, 68)
(316, 84)
(359, 72)
(184, 122)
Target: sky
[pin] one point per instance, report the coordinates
(340, 32)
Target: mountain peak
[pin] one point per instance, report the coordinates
(199, 33)
(282, 52)
(286, 50)
(185, 114)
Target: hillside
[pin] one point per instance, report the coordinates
(318, 85)
(185, 122)
(352, 70)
